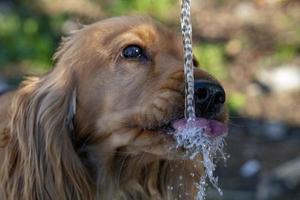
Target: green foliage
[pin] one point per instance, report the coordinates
(29, 36)
(161, 9)
(212, 58)
(285, 53)
(236, 101)
(25, 36)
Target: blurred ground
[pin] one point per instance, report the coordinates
(253, 46)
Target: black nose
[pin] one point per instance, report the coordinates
(209, 98)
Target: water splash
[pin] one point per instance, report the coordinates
(196, 142)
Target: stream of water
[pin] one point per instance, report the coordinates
(190, 136)
(186, 27)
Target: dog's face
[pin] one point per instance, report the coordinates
(130, 84)
(97, 126)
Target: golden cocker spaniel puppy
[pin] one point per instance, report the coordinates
(96, 126)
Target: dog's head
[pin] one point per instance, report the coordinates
(116, 92)
(130, 84)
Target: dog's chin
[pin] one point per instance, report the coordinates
(156, 144)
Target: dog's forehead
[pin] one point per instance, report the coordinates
(145, 28)
(146, 32)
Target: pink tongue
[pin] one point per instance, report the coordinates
(212, 128)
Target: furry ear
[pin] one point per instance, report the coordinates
(40, 160)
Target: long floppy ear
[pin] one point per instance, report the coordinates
(40, 160)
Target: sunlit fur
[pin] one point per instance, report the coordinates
(89, 128)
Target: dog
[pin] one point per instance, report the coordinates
(96, 126)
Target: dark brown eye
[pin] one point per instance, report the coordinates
(134, 52)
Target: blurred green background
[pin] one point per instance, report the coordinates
(252, 46)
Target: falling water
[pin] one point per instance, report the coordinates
(190, 136)
(186, 28)
(195, 141)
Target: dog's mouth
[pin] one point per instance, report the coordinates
(166, 128)
(211, 128)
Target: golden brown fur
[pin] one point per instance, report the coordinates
(87, 129)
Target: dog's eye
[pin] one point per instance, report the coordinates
(134, 52)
